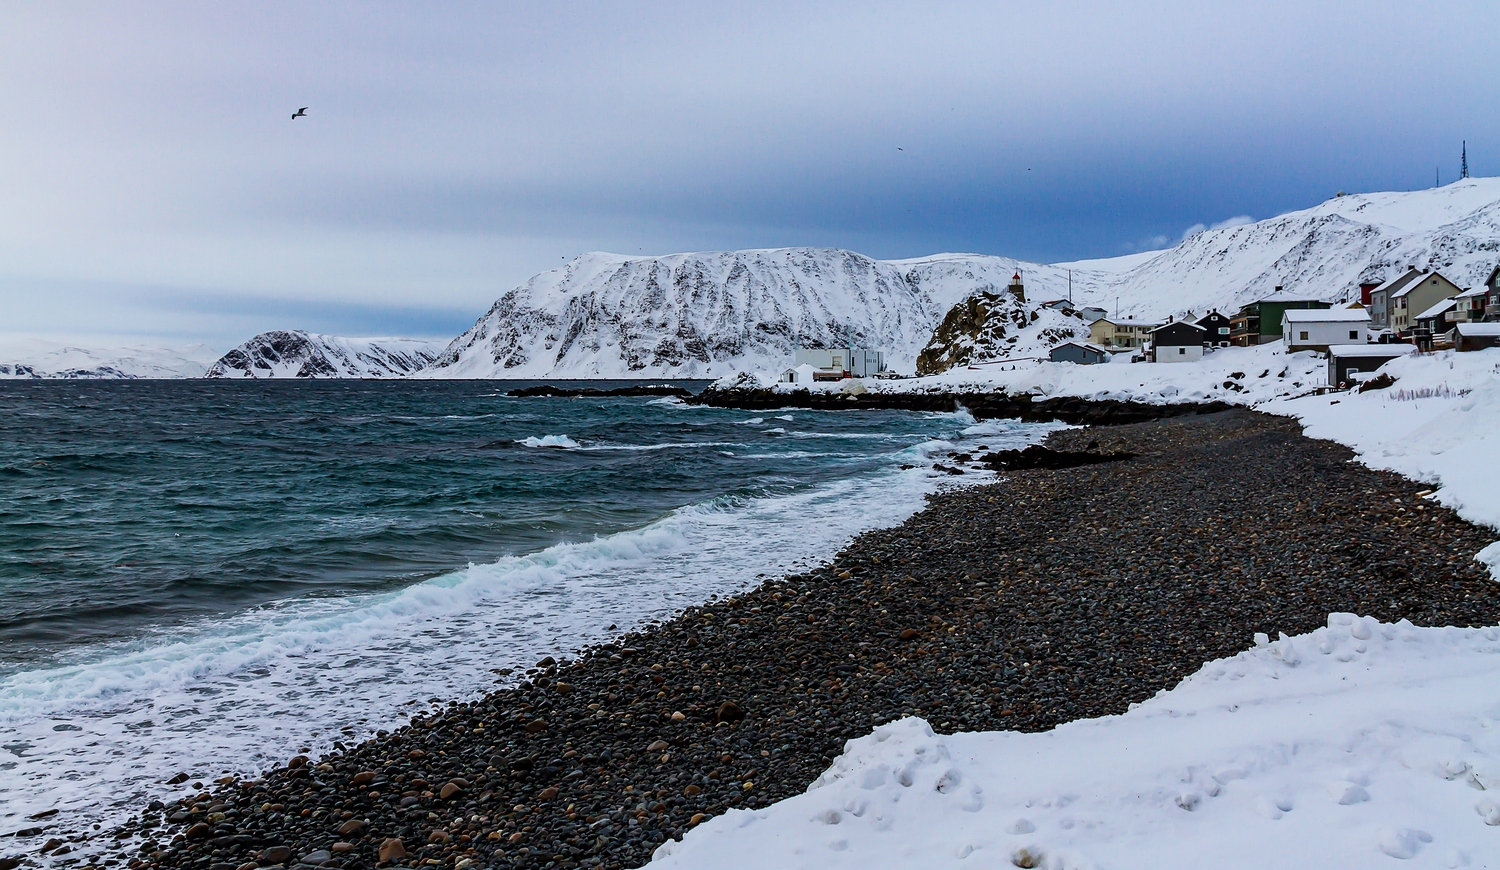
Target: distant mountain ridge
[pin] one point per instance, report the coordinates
(299, 354)
(40, 359)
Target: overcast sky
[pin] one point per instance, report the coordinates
(154, 183)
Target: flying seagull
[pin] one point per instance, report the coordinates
(300, 113)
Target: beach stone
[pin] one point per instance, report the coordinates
(910, 634)
(451, 790)
(276, 854)
(657, 746)
(729, 711)
(548, 793)
(353, 826)
(364, 777)
(391, 850)
(536, 726)
(342, 847)
(546, 662)
(317, 857)
(197, 831)
(698, 818)
(692, 790)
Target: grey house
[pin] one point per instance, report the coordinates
(1080, 352)
(1354, 359)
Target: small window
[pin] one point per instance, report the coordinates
(1223, 330)
(1181, 351)
(1354, 333)
(1302, 336)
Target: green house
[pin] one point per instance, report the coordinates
(1260, 321)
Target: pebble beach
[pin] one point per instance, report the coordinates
(1050, 595)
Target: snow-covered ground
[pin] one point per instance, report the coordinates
(1354, 746)
(29, 358)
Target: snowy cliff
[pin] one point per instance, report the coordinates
(39, 358)
(707, 314)
(298, 354)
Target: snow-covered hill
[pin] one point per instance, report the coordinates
(706, 314)
(299, 354)
(31, 358)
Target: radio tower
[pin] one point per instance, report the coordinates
(1463, 166)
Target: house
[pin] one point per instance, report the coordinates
(1321, 328)
(1091, 313)
(1063, 305)
(1260, 321)
(1470, 307)
(1347, 360)
(1179, 341)
(1380, 298)
(1492, 297)
(1417, 297)
(837, 363)
(1476, 336)
(1433, 322)
(1216, 329)
(1081, 352)
(1120, 333)
(802, 374)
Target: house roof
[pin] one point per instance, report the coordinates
(1113, 322)
(1469, 294)
(1477, 328)
(1088, 344)
(1407, 288)
(1326, 315)
(1439, 308)
(1388, 351)
(1188, 323)
(1399, 281)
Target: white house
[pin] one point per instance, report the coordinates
(802, 374)
(1322, 328)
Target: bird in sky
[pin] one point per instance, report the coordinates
(300, 113)
(899, 148)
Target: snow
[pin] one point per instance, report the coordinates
(1351, 746)
(1327, 315)
(31, 358)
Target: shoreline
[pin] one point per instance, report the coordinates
(967, 614)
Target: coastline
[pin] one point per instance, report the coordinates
(968, 614)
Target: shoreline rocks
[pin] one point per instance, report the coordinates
(1053, 594)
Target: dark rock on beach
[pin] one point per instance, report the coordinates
(1054, 594)
(1037, 456)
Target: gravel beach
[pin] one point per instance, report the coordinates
(1051, 595)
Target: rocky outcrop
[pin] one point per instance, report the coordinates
(994, 325)
(299, 354)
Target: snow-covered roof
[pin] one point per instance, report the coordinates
(1477, 328)
(1111, 321)
(1469, 294)
(1399, 281)
(1389, 351)
(1326, 315)
(1439, 308)
(1088, 344)
(1414, 284)
(1179, 323)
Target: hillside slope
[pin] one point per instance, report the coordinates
(299, 354)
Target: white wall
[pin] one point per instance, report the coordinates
(1324, 334)
(1189, 353)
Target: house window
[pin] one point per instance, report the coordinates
(1302, 336)
(1354, 333)
(838, 361)
(1223, 330)
(1181, 351)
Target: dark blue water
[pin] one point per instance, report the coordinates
(211, 575)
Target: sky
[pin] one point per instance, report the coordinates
(156, 187)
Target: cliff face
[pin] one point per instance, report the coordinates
(299, 354)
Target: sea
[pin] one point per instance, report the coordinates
(209, 577)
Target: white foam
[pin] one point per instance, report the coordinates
(562, 441)
(244, 692)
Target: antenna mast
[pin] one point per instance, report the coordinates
(1463, 166)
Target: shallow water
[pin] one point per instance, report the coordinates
(212, 576)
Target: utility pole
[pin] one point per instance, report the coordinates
(1070, 286)
(1463, 166)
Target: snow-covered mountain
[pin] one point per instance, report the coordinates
(31, 358)
(705, 314)
(299, 354)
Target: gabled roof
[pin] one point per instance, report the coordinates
(1326, 315)
(1437, 309)
(1399, 281)
(1088, 344)
(1469, 294)
(1493, 274)
(1387, 351)
(1126, 322)
(1477, 328)
(1179, 323)
(1414, 284)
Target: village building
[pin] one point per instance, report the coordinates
(1091, 313)
(1380, 298)
(1118, 333)
(837, 363)
(1346, 362)
(1476, 336)
(1416, 298)
(1470, 307)
(1016, 288)
(1320, 329)
(1179, 341)
(1259, 322)
(1081, 352)
(1216, 329)
(1492, 297)
(1433, 322)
